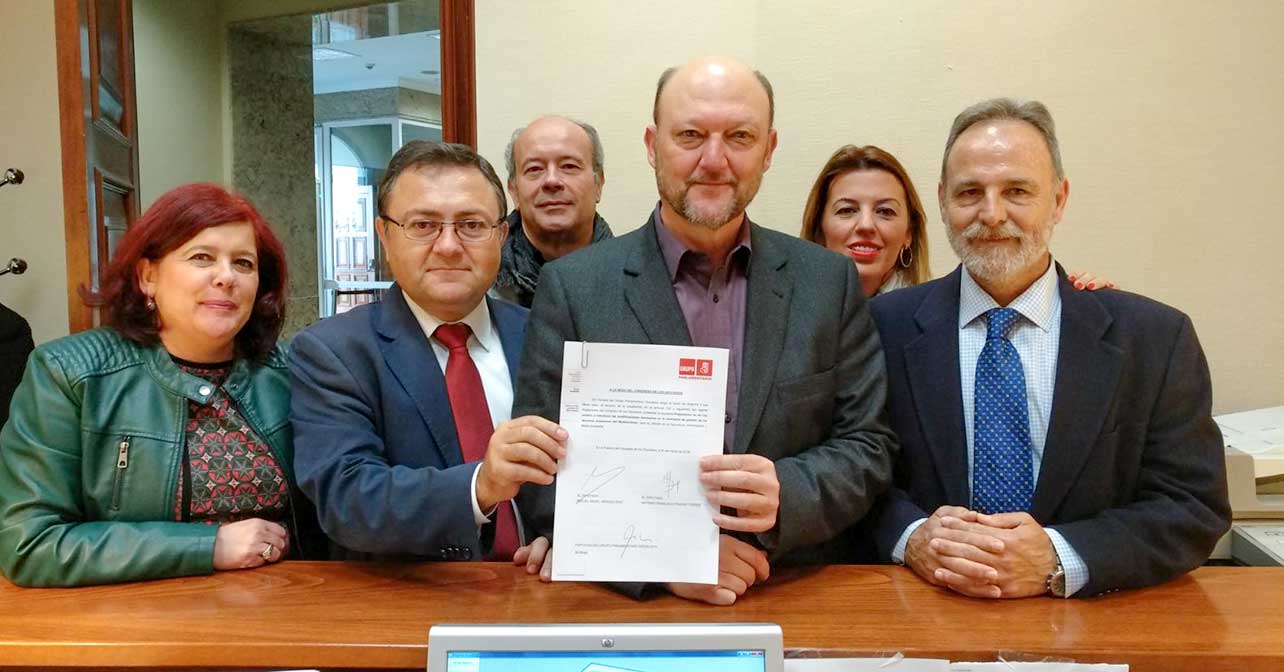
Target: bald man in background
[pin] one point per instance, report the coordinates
(806, 449)
(555, 176)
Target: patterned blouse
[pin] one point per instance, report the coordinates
(232, 472)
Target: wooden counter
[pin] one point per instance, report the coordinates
(319, 614)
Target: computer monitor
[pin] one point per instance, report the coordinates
(606, 647)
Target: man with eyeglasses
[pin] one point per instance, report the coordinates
(401, 408)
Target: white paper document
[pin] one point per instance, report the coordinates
(1036, 667)
(894, 664)
(901, 664)
(1259, 433)
(1256, 431)
(630, 506)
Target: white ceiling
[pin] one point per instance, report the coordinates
(381, 62)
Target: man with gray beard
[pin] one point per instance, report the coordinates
(806, 447)
(1053, 441)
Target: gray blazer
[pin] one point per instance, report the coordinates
(813, 383)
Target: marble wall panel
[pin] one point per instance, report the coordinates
(355, 105)
(385, 102)
(419, 104)
(272, 148)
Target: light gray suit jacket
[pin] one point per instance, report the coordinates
(813, 382)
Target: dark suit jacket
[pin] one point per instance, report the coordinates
(1133, 474)
(375, 442)
(15, 346)
(812, 384)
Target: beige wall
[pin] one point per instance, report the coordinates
(1170, 128)
(178, 75)
(31, 223)
(592, 61)
(1169, 117)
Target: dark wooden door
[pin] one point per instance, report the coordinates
(99, 139)
(458, 72)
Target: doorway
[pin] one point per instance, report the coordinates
(320, 102)
(351, 156)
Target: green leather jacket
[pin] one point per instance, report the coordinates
(90, 457)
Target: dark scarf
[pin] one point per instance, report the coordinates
(520, 262)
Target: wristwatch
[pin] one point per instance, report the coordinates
(1057, 581)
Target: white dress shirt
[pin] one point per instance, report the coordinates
(1036, 336)
(487, 352)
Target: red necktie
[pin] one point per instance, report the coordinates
(473, 424)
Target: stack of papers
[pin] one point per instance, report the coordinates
(1036, 667)
(1258, 544)
(895, 664)
(1259, 433)
(901, 664)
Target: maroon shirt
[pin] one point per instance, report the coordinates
(713, 303)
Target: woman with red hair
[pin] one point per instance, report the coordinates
(160, 445)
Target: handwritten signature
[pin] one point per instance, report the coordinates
(630, 536)
(670, 485)
(596, 481)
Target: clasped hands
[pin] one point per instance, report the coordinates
(744, 483)
(999, 555)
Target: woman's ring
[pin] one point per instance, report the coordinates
(267, 552)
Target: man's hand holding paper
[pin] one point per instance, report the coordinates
(745, 483)
(632, 503)
(522, 450)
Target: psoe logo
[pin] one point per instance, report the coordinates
(695, 368)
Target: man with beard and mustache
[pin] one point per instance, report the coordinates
(806, 446)
(555, 176)
(1052, 441)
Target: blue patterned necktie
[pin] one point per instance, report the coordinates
(1002, 471)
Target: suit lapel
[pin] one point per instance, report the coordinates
(512, 333)
(410, 357)
(1088, 371)
(932, 365)
(648, 289)
(766, 322)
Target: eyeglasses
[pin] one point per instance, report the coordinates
(429, 230)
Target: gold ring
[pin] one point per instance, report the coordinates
(267, 552)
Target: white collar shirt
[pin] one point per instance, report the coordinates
(487, 352)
